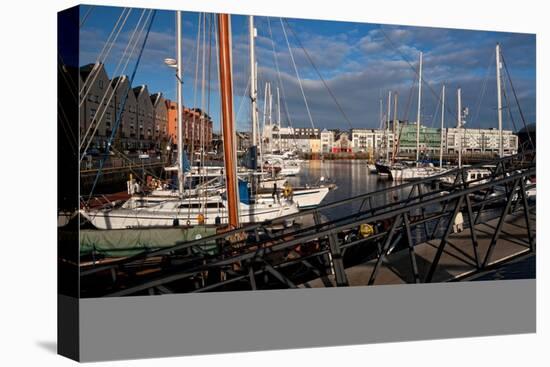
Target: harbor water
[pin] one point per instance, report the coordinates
(352, 178)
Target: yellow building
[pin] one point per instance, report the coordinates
(315, 145)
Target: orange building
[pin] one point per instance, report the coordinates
(197, 126)
(172, 108)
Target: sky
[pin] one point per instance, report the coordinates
(345, 68)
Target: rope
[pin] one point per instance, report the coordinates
(285, 105)
(103, 56)
(517, 101)
(483, 89)
(83, 21)
(103, 106)
(297, 74)
(434, 93)
(319, 74)
(118, 118)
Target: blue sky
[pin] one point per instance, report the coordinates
(359, 62)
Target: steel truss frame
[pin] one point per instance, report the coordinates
(257, 251)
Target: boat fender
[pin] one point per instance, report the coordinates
(287, 191)
(176, 222)
(200, 218)
(366, 230)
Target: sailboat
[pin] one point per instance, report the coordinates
(400, 171)
(221, 208)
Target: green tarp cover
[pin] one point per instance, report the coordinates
(128, 242)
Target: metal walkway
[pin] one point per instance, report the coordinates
(413, 220)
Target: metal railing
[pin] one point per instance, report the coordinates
(317, 245)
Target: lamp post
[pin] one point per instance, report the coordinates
(178, 65)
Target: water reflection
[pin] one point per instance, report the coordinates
(352, 178)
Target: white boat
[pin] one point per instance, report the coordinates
(474, 176)
(288, 167)
(401, 173)
(305, 198)
(167, 212)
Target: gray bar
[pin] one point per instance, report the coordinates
(171, 325)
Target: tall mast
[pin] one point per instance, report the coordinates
(499, 100)
(226, 97)
(279, 118)
(253, 83)
(388, 128)
(179, 96)
(374, 143)
(264, 116)
(418, 110)
(270, 119)
(442, 125)
(259, 137)
(459, 127)
(395, 127)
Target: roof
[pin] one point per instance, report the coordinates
(115, 80)
(156, 98)
(86, 70)
(139, 90)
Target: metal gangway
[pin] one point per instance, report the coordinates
(364, 242)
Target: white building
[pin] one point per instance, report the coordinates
(327, 141)
(305, 140)
(480, 140)
(371, 140)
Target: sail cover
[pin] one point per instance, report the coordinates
(128, 242)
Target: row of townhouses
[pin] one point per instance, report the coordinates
(374, 141)
(146, 121)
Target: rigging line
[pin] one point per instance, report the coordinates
(297, 74)
(517, 100)
(203, 95)
(483, 88)
(319, 74)
(67, 77)
(83, 21)
(195, 88)
(107, 42)
(509, 108)
(436, 109)
(117, 122)
(434, 93)
(283, 93)
(66, 126)
(209, 94)
(409, 99)
(101, 60)
(192, 148)
(103, 106)
(243, 98)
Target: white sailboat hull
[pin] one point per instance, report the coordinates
(289, 170)
(147, 217)
(304, 198)
(414, 173)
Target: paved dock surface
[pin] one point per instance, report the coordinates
(457, 260)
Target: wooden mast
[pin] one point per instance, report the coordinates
(226, 91)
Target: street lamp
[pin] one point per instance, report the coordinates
(171, 62)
